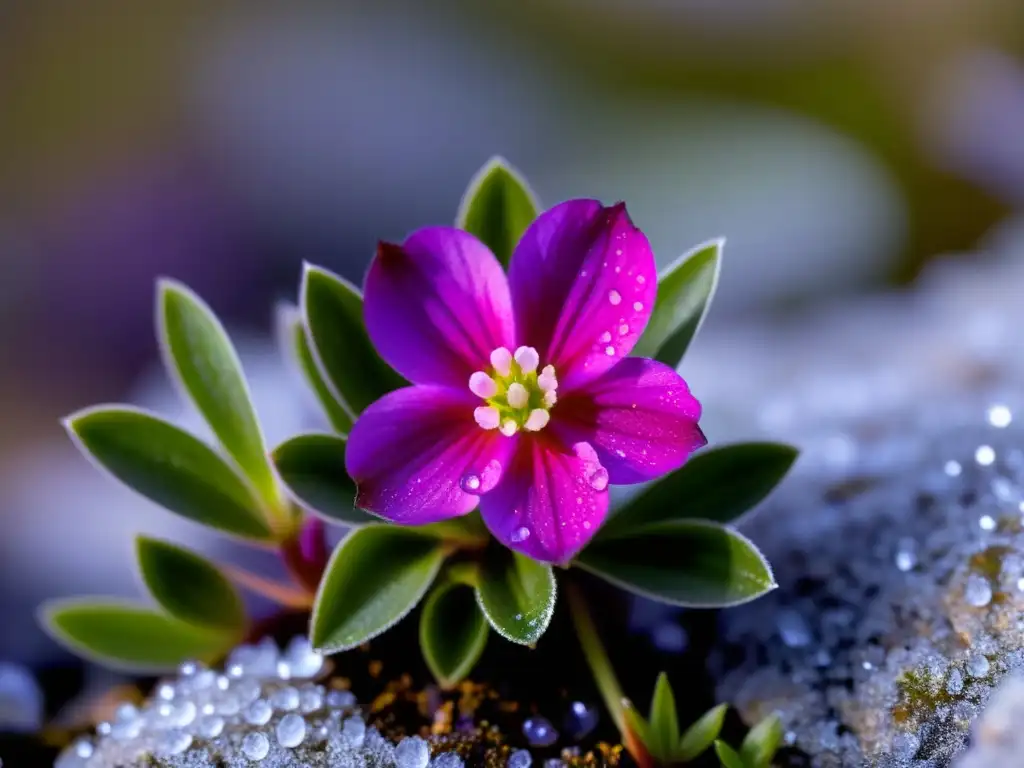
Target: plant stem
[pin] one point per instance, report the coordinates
(596, 655)
(305, 554)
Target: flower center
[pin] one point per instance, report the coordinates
(517, 396)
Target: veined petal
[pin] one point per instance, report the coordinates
(640, 417)
(550, 501)
(413, 451)
(436, 306)
(583, 283)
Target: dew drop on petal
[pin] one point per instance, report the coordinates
(470, 483)
(623, 329)
(605, 337)
(641, 279)
(490, 475)
(599, 479)
(638, 306)
(520, 534)
(610, 351)
(614, 297)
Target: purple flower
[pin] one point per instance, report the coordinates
(523, 399)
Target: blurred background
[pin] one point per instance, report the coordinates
(838, 145)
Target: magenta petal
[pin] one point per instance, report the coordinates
(550, 501)
(436, 306)
(412, 451)
(640, 417)
(583, 282)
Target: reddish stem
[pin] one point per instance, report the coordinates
(305, 554)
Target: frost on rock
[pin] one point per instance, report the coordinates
(898, 539)
(265, 709)
(901, 600)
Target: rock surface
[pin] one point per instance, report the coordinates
(898, 541)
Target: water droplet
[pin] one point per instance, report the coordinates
(470, 483)
(587, 525)
(340, 699)
(412, 752)
(623, 329)
(311, 699)
(999, 416)
(987, 523)
(641, 279)
(580, 720)
(520, 534)
(302, 658)
(353, 731)
(255, 746)
(583, 273)
(977, 666)
(539, 732)
(618, 269)
(977, 591)
(519, 617)
(188, 668)
(638, 306)
(291, 730)
(259, 712)
(599, 479)
(906, 560)
(605, 337)
(285, 699)
(618, 251)
(985, 455)
(173, 743)
(953, 468)
(620, 453)
(521, 758)
(610, 351)
(614, 297)
(210, 726)
(793, 629)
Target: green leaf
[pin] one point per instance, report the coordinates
(293, 340)
(516, 594)
(333, 313)
(129, 637)
(716, 484)
(169, 466)
(691, 563)
(374, 578)
(699, 736)
(759, 746)
(685, 290)
(200, 355)
(312, 467)
(497, 207)
(453, 632)
(188, 586)
(727, 756)
(664, 721)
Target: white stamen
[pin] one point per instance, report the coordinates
(482, 385)
(501, 359)
(537, 420)
(487, 417)
(518, 397)
(508, 428)
(547, 381)
(550, 398)
(528, 359)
